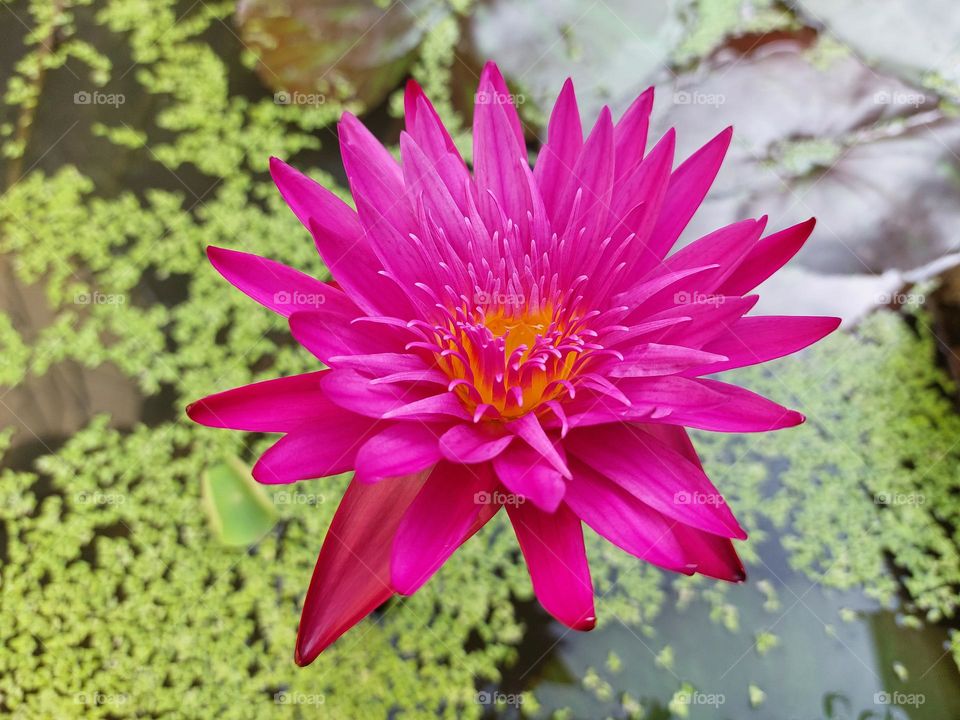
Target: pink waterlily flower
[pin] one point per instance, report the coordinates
(512, 338)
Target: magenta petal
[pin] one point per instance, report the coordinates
(631, 133)
(559, 154)
(352, 575)
(318, 448)
(528, 428)
(552, 545)
(767, 256)
(453, 504)
(628, 523)
(714, 556)
(526, 474)
(473, 443)
(688, 187)
(327, 339)
(752, 340)
(278, 405)
(281, 288)
(656, 475)
(651, 359)
(401, 449)
(339, 237)
(739, 411)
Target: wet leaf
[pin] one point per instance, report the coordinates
(348, 49)
(613, 49)
(239, 512)
(871, 157)
(903, 36)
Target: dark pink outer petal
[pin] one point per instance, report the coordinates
(352, 575)
(766, 257)
(278, 405)
(660, 477)
(753, 340)
(318, 448)
(328, 339)
(339, 237)
(628, 523)
(281, 288)
(688, 187)
(454, 502)
(552, 545)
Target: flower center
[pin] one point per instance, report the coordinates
(504, 362)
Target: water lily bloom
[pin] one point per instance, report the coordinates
(512, 338)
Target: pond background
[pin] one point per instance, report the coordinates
(142, 574)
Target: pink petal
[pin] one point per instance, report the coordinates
(526, 474)
(552, 545)
(529, 429)
(651, 359)
(715, 556)
(629, 524)
(278, 405)
(688, 187)
(766, 257)
(473, 443)
(327, 339)
(352, 575)
(652, 472)
(281, 288)
(559, 154)
(339, 237)
(631, 133)
(401, 449)
(318, 448)
(592, 179)
(453, 504)
(739, 411)
(753, 340)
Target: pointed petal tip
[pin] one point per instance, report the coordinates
(584, 624)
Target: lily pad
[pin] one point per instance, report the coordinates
(308, 50)
(873, 158)
(239, 513)
(613, 50)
